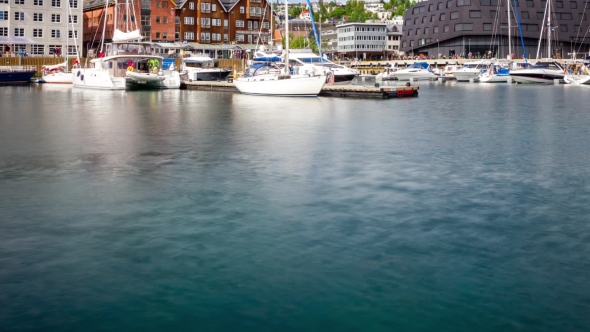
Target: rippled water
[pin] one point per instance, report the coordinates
(466, 209)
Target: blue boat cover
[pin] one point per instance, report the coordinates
(267, 59)
(423, 65)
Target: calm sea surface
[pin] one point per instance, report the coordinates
(466, 209)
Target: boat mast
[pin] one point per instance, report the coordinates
(287, 37)
(509, 32)
(549, 55)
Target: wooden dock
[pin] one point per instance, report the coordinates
(354, 91)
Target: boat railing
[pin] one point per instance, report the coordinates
(17, 68)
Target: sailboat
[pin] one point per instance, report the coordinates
(544, 71)
(577, 73)
(284, 83)
(126, 63)
(499, 71)
(59, 73)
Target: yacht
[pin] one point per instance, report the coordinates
(203, 68)
(417, 71)
(470, 70)
(577, 73)
(342, 74)
(388, 74)
(56, 74)
(543, 72)
(267, 79)
(17, 74)
(497, 73)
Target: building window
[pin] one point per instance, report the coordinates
(242, 11)
(411, 43)
(532, 27)
(205, 22)
(74, 3)
(189, 36)
(73, 34)
(55, 18)
(19, 32)
(265, 25)
(475, 14)
(145, 20)
(454, 15)
(37, 49)
(563, 27)
(487, 27)
(164, 20)
(431, 7)
(19, 16)
(4, 15)
(426, 30)
(214, 8)
(205, 7)
(559, 4)
(37, 2)
(530, 3)
(158, 19)
(442, 17)
(449, 4)
(461, 3)
(524, 15)
(576, 28)
(157, 35)
(72, 50)
(439, 6)
(164, 4)
(4, 32)
(55, 3)
(19, 2)
(488, 2)
(418, 31)
(239, 24)
(73, 19)
(37, 33)
(446, 28)
(189, 20)
(191, 5)
(216, 22)
(145, 4)
(409, 32)
(205, 36)
(423, 19)
(55, 34)
(582, 16)
(494, 13)
(434, 30)
(464, 27)
(573, 5)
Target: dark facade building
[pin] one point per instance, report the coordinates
(455, 27)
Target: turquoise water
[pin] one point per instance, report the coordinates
(466, 209)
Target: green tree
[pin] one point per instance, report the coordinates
(295, 11)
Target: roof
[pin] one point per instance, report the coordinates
(198, 46)
(358, 23)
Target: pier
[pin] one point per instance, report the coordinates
(355, 91)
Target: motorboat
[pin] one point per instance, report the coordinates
(470, 70)
(203, 68)
(58, 74)
(342, 74)
(577, 73)
(496, 73)
(388, 74)
(125, 63)
(268, 79)
(17, 74)
(542, 72)
(417, 71)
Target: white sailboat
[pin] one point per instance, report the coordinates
(59, 73)
(126, 63)
(271, 83)
(577, 73)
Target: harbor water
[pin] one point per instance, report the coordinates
(465, 209)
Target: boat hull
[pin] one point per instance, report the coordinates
(577, 79)
(271, 86)
(93, 78)
(464, 76)
(58, 78)
(216, 76)
(344, 78)
(494, 78)
(16, 76)
(536, 78)
(401, 76)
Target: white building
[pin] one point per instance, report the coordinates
(374, 6)
(394, 35)
(46, 24)
(362, 40)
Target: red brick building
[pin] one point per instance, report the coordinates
(95, 14)
(158, 20)
(225, 21)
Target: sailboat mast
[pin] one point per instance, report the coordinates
(287, 37)
(549, 29)
(509, 32)
(115, 19)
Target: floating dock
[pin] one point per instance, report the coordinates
(355, 91)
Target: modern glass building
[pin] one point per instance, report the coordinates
(455, 27)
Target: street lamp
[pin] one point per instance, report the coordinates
(469, 45)
(437, 48)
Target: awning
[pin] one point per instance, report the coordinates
(249, 46)
(198, 46)
(16, 40)
(171, 45)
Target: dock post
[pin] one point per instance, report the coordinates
(471, 80)
(411, 80)
(440, 79)
(556, 81)
(509, 80)
(363, 78)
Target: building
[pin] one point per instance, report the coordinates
(455, 27)
(225, 21)
(362, 40)
(329, 40)
(374, 6)
(44, 24)
(158, 20)
(394, 35)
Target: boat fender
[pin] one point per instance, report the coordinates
(129, 68)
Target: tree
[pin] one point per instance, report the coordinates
(337, 12)
(295, 11)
